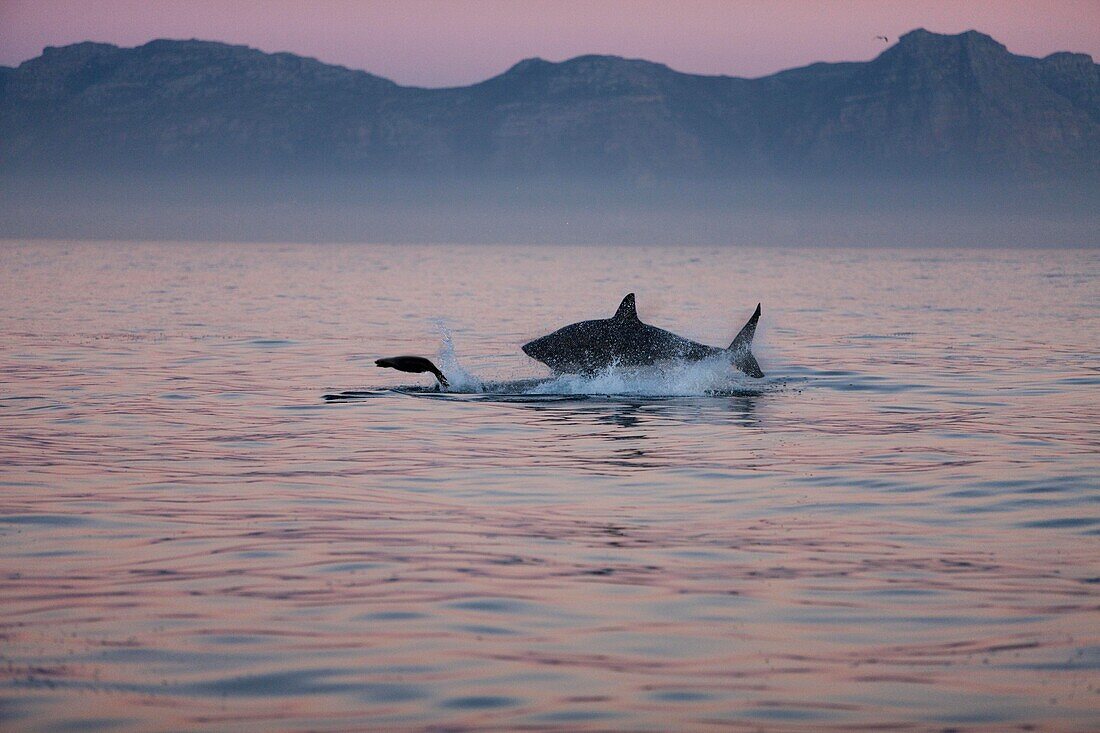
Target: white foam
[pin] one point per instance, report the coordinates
(675, 379)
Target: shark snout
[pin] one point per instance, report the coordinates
(532, 349)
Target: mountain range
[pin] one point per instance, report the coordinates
(930, 109)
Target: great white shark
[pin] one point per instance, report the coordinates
(588, 347)
(623, 340)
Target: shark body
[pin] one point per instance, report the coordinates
(623, 340)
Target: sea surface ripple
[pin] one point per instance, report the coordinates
(897, 529)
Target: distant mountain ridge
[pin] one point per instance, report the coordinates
(931, 106)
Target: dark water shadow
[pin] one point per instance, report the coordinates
(738, 407)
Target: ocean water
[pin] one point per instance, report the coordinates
(217, 514)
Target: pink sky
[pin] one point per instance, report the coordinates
(437, 43)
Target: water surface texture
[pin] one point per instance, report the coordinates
(897, 529)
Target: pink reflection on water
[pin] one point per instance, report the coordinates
(893, 532)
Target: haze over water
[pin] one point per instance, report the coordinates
(895, 529)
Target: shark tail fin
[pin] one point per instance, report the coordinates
(740, 349)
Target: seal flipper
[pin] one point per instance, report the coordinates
(740, 348)
(413, 364)
(627, 309)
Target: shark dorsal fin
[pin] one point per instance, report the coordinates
(627, 311)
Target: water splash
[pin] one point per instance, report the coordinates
(675, 379)
(459, 379)
(707, 377)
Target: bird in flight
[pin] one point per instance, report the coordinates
(882, 38)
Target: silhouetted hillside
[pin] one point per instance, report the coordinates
(931, 110)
